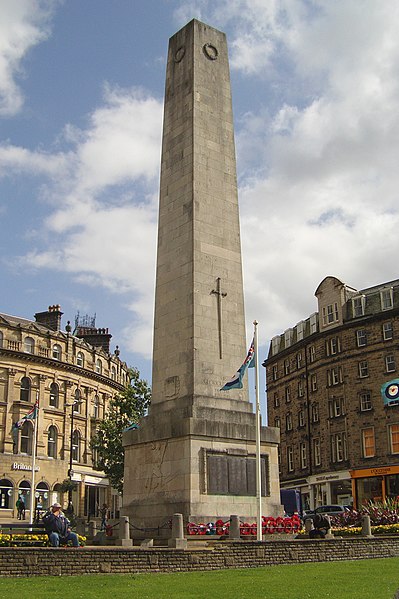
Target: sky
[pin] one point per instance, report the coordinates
(315, 87)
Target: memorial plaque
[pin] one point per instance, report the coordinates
(218, 481)
(236, 475)
(238, 480)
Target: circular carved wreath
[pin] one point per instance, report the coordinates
(210, 51)
(180, 52)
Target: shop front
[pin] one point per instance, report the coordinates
(91, 492)
(12, 490)
(330, 488)
(91, 487)
(375, 484)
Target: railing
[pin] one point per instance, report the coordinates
(14, 345)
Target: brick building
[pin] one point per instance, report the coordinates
(339, 438)
(74, 376)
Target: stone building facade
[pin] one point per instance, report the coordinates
(73, 376)
(339, 437)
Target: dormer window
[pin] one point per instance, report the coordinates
(313, 323)
(275, 345)
(358, 305)
(288, 334)
(330, 314)
(300, 330)
(386, 299)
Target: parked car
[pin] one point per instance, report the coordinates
(329, 510)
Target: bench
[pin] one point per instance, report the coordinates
(17, 531)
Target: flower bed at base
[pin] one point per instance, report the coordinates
(270, 525)
(350, 531)
(26, 540)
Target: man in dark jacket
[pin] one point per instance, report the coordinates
(321, 525)
(58, 527)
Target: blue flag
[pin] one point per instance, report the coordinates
(131, 427)
(390, 391)
(236, 380)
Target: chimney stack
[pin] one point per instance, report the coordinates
(50, 319)
(97, 337)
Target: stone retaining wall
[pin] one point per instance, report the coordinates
(25, 561)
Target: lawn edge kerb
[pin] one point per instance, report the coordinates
(7, 540)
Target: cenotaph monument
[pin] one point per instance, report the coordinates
(194, 453)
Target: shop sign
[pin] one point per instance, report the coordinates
(382, 471)
(96, 480)
(17, 466)
(324, 478)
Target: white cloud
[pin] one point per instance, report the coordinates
(23, 24)
(101, 197)
(114, 247)
(123, 142)
(318, 166)
(15, 159)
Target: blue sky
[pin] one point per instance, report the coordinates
(316, 103)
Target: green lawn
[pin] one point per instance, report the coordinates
(366, 579)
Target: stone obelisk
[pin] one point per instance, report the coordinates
(194, 452)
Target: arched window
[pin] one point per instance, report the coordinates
(24, 491)
(94, 453)
(57, 352)
(52, 437)
(56, 493)
(99, 366)
(76, 446)
(54, 395)
(29, 345)
(77, 401)
(42, 496)
(80, 359)
(26, 438)
(96, 407)
(6, 494)
(113, 373)
(24, 394)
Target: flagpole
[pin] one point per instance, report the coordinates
(32, 492)
(258, 430)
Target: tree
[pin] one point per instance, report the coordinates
(123, 411)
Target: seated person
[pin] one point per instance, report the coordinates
(58, 527)
(321, 527)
